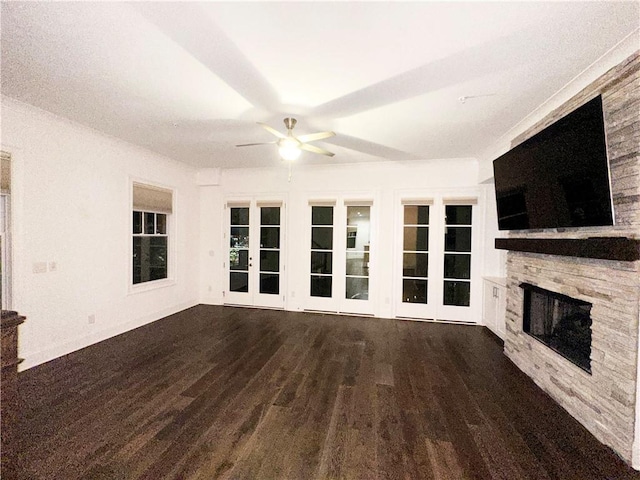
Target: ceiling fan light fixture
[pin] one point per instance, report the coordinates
(289, 149)
(289, 146)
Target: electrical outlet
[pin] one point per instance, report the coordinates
(210, 288)
(92, 319)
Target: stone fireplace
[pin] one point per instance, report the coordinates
(603, 395)
(603, 400)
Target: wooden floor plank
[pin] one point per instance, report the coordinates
(335, 443)
(222, 392)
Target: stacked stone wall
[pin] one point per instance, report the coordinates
(604, 400)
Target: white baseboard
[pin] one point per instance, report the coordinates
(36, 358)
(211, 300)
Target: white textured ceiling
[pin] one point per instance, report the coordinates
(190, 80)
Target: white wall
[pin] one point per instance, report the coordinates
(495, 261)
(382, 181)
(211, 251)
(71, 206)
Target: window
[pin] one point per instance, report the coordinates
(321, 251)
(358, 251)
(415, 254)
(152, 208)
(270, 250)
(239, 250)
(457, 256)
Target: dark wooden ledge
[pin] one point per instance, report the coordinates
(9, 407)
(605, 248)
(10, 319)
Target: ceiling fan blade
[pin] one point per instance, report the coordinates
(272, 130)
(191, 26)
(252, 144)
(315, 136)
(371, 148)
(314, 149)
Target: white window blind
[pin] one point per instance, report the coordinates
(5, 172)
(152, 199)
(417, 201)
(460, 201)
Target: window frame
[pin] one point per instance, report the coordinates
(170, 234)
(331, 250)
(458, 253)
(428, 252)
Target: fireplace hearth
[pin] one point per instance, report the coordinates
(560, 322)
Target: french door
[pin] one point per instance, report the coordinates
(437, 257)
(340, 256)
(255, 260)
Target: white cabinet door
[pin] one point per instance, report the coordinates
(501, 310)
(494, 304)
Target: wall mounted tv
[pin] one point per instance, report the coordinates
(559, 177)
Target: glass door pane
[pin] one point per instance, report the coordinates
(269, 250)
(239, 250)
(457, 255)
(358, 243)
(415, 254)
(321, 251)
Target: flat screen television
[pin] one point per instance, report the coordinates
(559, 177)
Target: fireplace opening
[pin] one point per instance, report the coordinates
(560, 322)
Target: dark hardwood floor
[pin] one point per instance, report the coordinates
(220, 392)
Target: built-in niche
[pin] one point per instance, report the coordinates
(560, 322)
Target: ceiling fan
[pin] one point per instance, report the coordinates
(290, 146)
